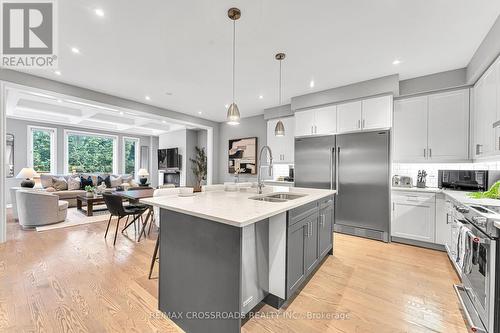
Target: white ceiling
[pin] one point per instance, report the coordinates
(59, 109)
(184, 47)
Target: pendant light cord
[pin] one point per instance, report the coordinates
(234, 53)
(280, 86)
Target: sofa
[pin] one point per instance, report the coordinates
(70, 193)
(37, 208)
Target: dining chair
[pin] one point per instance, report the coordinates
(114, 203)
(163, 192)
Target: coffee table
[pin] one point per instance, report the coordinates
(89, 202)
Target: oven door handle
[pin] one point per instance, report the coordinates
(475, 326)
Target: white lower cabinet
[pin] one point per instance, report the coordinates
(414, 216)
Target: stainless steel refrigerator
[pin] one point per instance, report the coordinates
(357, 165)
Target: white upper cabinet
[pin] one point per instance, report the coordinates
(304, 123)
(349, 117)
(432, 128)
(368, 114)
(325, 120)
(282, 146)
(377, 113)
(448, 133)
(319, 121)
(410, 130)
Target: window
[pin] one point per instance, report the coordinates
(89, 152)
(42, 149)
(130, 155)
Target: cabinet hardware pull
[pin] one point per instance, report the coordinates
(359, 123)
(424, 153)
(430, 152)
(393, 206)
(363, 123)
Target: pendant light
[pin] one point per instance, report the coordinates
(233, 113)
(279, 130)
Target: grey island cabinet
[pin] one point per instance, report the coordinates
(222, 253)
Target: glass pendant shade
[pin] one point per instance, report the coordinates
(279, 130)
(233, 114)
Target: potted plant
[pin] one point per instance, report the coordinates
(90, 191)
(199, 167)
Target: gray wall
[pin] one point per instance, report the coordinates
(20, 130)
(433, 82)
(486, 53)
(248, 127)
(386, 84)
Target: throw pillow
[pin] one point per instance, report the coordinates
(85, 182)
(107, 181)
(73, 183)
(127, 179)
(46, 180)
(60, 184)
(116, 181)
(100, 180)
(50, 189)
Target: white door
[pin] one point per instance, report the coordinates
(448, 129)
(410, 129)
(304, 123)
(349, 117)
(325, 120)
(377, 113)
(414, 218)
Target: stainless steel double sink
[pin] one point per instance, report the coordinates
(278, 197)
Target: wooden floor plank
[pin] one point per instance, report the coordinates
(73, 280)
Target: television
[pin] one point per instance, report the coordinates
(169, 159)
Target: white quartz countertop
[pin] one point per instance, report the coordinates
(462, 197)
(418, 189)
(235, 208)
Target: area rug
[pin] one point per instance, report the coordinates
(76, 218)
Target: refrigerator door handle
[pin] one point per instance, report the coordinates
(337, 184)
(332, 154)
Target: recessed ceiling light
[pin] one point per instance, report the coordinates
(147, 98)
(311, 84)
(163, 121)
(396, 62)
(226, 105)
(57, 72)
(99, 12)
(261, 97)
(59, 101)
(75, 50)
(200, 112)
(121, 113)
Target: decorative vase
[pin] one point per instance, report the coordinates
(89, 194)
(197, 188)
(143, 181)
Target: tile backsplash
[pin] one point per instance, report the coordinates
(411, 169)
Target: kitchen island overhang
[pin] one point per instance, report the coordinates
(221, 253)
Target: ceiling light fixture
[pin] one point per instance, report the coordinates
(261, 97)
(396, 62)
(311, 84)
(279, 130)
(59, 101)
(163, 121)
(233, 113)
(57, 72)
(75, 50)
(147, 98)
(99, 12)
(200, 112)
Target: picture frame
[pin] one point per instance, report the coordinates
(242, 156)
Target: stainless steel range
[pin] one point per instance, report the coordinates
(474, 251)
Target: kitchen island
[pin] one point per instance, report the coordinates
(222, 253)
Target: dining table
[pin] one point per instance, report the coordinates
(133, 196)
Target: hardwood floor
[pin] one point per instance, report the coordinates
(72, 280)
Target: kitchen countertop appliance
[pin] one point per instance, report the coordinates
(402, 181)
(474, 251)
(357, 165)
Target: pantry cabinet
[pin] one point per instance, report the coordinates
(349, 117)
(282, 146)
(432, 128)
